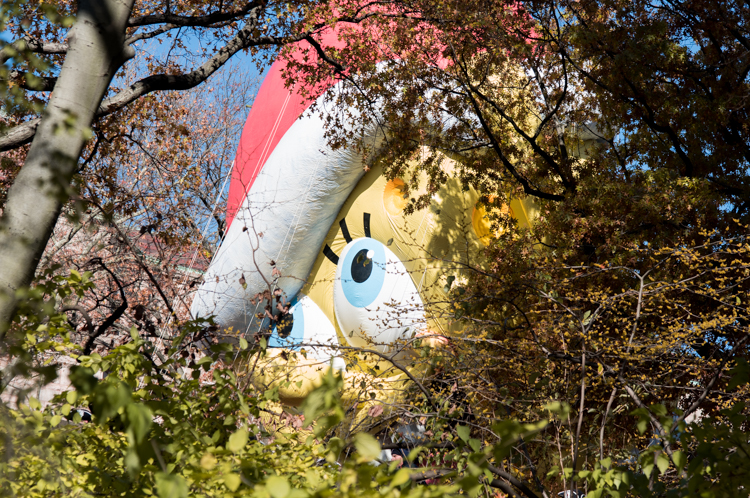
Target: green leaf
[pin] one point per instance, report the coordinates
(139, 420)
(132, 461)
(401, 477)
(83, 379)
(238, 440)
(642, 425)
(367, 446)
(740, 374)
(562, 410)
(596, 493)
(335, 445)
(232, 481)
(662, 461)
(475, 444)
(463, 432)
(679, 459)
(470, 485)
(278, 487)
(170, 486)
(109, 398)
(208, 461)
(54, 421)
(648, 469)
(243, 343)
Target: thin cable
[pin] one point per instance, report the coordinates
(195, 251)
(266, 152)
(298, 217)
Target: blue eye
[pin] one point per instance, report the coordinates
(363, 272)
(374, 298)
(307, 324)
(290, 329)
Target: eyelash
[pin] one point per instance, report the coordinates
(330, 254)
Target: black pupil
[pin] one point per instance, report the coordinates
(361, 266)
(285, 325)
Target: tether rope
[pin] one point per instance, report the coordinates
(195, 251)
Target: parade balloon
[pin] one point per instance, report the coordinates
(330, 234)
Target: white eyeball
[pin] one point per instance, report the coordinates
(307, 326)
(375, 300)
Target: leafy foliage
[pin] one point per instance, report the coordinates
(603, 349)
(159, 432)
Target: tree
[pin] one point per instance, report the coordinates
(603, 348)
(624, 121)
(168, 434)
(92, 59)
(523, 92)
(150, 193)
(62, 128)
(156, 432)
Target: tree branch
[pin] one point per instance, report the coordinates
(604, 422)
(111, 319)
(527, 188)
(512, 480)
(150, 34)
(203, 21)
(82, 311)
(46, 84)
(32, 45)
(24, 133)
(406, 371)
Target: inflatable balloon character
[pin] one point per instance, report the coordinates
(320, 257)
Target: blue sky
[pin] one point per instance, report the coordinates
(241, 61)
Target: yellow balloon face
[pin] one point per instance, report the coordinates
(407, 260)
(382, 277)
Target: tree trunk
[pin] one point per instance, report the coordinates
(36, 198)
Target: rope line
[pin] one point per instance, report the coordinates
(195, 251)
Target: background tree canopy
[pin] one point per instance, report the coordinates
(608, 342)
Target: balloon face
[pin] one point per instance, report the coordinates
(373, 283)
(375, 300)
(380, 277)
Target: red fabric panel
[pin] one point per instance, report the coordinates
(274, 111)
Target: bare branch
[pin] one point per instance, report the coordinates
(24, 133)
(150, 34)
(206, 20)
(392, 361)
(522, 486)
(604, 422)
(28, 43)
(19, 135)
(111, 319)
(82, 312)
